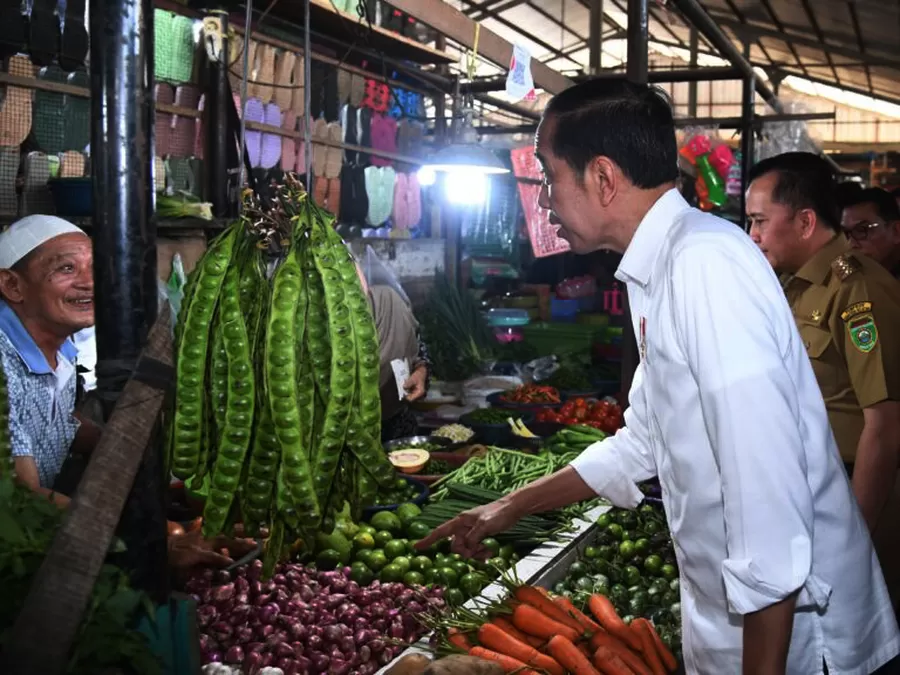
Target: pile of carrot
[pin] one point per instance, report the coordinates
(535, 633)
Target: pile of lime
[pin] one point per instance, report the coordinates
(632, 562)
(384, 549)
(402, 491)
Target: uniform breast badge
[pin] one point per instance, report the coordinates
(861, 326)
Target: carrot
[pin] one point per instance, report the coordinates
(606, 616)
(508, 663)
(651, 656)
(459, 639)
(587, 623)
(668, 659)
(615, 645)
(495, 638)
(609, 662)
(534, 622)
(540, 599)
(505, 624)
(570, 657)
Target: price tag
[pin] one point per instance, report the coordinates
(401, 375)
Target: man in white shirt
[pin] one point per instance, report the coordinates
(777, 570)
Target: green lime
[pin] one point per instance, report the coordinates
(603, 521)
(559, 588)
(361, 574)
(626, 549)
(416, 530)
(365, 527)
(675, 609)
(391, 572)
(335, 542)
(461, 567)
(382, 537)
(328, 559)
(653, 564)
(601, 580)
(669, 571)
(421, 563)
(591, 552)
(413, 578)
(407, 512)
(430, 576)
(492, 545)
(647, 510)
(675, 585)
(584, 584)
(498, 562)
(363, 540)
(642, 546)
(386, 520)
(618, 593)
(394, 548)
(377, 560)
(507, 551)
(403, 563)
(616, 530)
(472, 583)
(454, 597)
(447, 576)
(455, 556)
(606, 552)
(651, 527)
(631, 575)
(401, 484)
(363, 555)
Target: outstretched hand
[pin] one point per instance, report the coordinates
(191, 549)
(470, 528)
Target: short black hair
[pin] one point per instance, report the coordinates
(629, 123)
(885, 203)
(805, 181)
(846, 192)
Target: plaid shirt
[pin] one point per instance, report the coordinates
(41, 400)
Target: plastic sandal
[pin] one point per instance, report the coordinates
(77, 114)
(36, 197)
(73, 46)
(16, 111)
(43, 32)
(271, 143)
(254, 111)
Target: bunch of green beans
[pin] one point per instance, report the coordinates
(276, 411)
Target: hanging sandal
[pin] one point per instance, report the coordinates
(333, 197)
(265, 74)
(181, 67)
(271, 143)
(43, 32)
(288, 143)
(71, 164)
(184, 128)
(77, 114)
(163, 93)
(319, 150)
(254, 111)
(13, 29)
(16, 110)
(285, 63)
(36, 197)
(334, 155)
(320, 191)
(298, 99)
(73, 45)
(162, 45)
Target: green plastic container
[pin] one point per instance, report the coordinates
(554, 338)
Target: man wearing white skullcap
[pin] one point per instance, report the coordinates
(46, 295)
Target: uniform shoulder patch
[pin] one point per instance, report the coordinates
(861, 326)
(845, 265)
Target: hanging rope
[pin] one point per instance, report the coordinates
(472, 54)
(248, 18)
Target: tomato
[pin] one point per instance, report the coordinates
(580, 403)
(580, 414)
(569, 420)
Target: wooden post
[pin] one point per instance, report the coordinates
(48, 624)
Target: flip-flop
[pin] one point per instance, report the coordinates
(254, 111)
(43, 32)
(354, 201)
(162, 45)
(9, 172)
(271, 143)
(16, 109)
(400, 210)
(298, 96)
(73, 46)
(77, 114)
(182, 175)
(414, 200)
(265, 73)
(181, 68)
(289, 143)
(333, 197)
(320, 191)
(159, 174)
(163, 93)
(252, 65)
(364, 131)
(236, 61)
(71, 164)
(36, 197)
(320, 150)
(344, 80)
(198, 129)
(384, 138)
(334, 155)
(284, 79)
(181, 143)
(357, 90)
(13, 29)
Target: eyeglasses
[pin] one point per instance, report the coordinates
(860, 231)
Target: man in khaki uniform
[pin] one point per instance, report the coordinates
(847, 309)
(871, 221)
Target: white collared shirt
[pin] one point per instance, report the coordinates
(726, 410)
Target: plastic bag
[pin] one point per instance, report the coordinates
(379, 274)
(172, 291)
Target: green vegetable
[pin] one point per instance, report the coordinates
(182, 205)
(487, 416)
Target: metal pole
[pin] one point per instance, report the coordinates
(215, 111)
(125, 271)
(307, 96)
(748, 111)
(122, 112)
(638, 21)
(595, 58)
(245, 74)
(692, 87)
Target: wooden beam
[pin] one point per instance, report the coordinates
(460, 28)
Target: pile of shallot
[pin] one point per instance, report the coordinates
(306, 622)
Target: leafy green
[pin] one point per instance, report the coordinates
(106, 638)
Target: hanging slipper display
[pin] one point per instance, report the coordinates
(43, 32)
(16, 108)
(36, 197)
(77, 114)
(73, 45)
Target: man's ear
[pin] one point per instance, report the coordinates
(11, 287)
(808, 221)
(602, 175)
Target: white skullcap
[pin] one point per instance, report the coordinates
(25, 235)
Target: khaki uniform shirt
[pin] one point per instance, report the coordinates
(847, 309)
